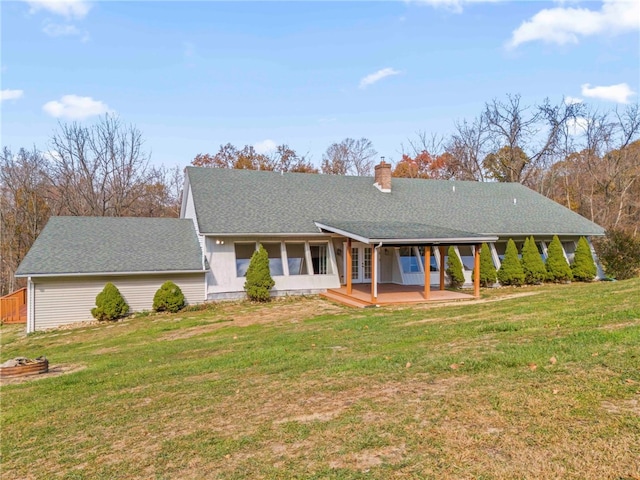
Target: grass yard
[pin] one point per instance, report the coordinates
(535, 383)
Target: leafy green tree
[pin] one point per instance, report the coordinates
(488, 275)
(619, 253)
(558, 269)
(454, 268)
(259, 281)
(110, 304)
(584, 268)
(169, 298)
(510, 272)
(532, 264)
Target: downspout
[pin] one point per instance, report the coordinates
(31, 320)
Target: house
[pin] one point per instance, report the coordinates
(321, 233)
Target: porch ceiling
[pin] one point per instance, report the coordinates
(401, 233)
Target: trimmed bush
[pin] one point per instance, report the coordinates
(110, 305)
(454, 268)
(259, 281)
(619, 253)
(168, 298)
(584, 268)
(510, 272)
(488, 275)
(532, 264)
(558, 269)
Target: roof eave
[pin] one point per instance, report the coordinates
(106, 274)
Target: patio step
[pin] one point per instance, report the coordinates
(344, 299)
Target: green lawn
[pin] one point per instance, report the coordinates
(533, 383)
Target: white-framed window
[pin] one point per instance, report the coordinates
(320, 258)
(409, 260)
(274, 251)
(296, 258)
(467, 257)
(244, 252)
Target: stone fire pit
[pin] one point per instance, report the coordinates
(21, 366)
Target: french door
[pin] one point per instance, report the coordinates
(360, 263)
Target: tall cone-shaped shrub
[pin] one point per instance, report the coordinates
(558, 269)
(488, 274)
(454, 268)
(583, 268)
(259, 281)
(510, 272)
(532, 264)
(110, 304)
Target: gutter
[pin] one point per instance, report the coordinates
(104, 274)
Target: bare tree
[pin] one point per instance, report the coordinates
(349, 157)
(100, 170)
(467, 147)
(23, 209)
(514, 129)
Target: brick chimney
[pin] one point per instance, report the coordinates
(383, 176)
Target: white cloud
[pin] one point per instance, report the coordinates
(265, 146)
(455, 6)
(563, 25)
(75, 108)
(66, 8)
(377, 76)
(11, 94)
(619, 93)
(568, 100)
(64, 30)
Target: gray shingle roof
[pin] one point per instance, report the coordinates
(401, 232)
(258, 202)
(79, 245)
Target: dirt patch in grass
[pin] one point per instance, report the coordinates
(54, 371)
(244, 314)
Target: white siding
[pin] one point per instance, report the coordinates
(223, 282)
(59, 301)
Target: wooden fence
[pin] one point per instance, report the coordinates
(13, 307)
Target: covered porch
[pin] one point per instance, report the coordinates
(431, 240)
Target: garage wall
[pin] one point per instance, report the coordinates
(60, 301)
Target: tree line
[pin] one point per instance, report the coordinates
(98, 170)
(585, 159)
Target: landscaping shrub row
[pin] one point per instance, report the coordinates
(111, 305)
(528, 268)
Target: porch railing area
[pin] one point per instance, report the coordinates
(13, 307)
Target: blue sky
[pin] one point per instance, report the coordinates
(194, 75)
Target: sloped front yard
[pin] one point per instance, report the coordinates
(540, 383)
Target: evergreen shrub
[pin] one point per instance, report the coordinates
(454, 268)
(510, 271)
(584, 268)
(488, 274)
(619, 253)
(110, 304)
(168, 298)
(259, 281)
(532, 264)
(558, 269)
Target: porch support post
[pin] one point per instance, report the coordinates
(349, 272)
(476, 272)
(441, 267)
(374, 280)
(427, 272)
